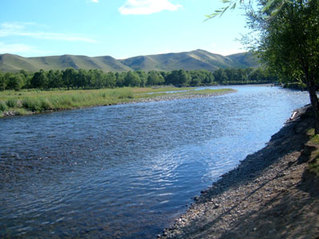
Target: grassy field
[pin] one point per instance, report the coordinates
(36, 101)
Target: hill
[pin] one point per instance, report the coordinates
(193, 60)
(242, 60)
(12, 63)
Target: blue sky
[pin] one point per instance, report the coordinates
(119, 28)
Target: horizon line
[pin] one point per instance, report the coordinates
(123, 58)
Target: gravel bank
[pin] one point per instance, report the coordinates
(269, 195)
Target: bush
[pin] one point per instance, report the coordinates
(32, 104)
(46, 105)
(65, 101)
(122, 94)
(3, 106)
(12, 103)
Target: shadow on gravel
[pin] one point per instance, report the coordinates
(268, 221)
(288, 210)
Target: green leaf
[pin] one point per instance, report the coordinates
(234, 6)
(224, 10)
(268, 5)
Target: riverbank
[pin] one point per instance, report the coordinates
(14, 103)
(273, 193)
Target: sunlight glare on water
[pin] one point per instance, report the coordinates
(127, 171)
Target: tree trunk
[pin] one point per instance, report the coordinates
(314, 103)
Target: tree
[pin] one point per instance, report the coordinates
(120, 79)
(155, 78)
(110, 80)
(143, 77)
(207, 77)
(39, 80)
(3, 82)
(255, 76)
(132, 79)
(97, 80)
(68, 76)
(274, 5)
(220, 76)
(54, 79)
(178, 78)
(289, 43)
(82, 78)
(289, 40)
(16, 81)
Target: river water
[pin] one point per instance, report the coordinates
(127, 171)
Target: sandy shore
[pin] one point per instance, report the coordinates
(271, 194)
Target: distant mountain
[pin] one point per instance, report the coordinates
(12, 63)
(193, 60)
(244, 59)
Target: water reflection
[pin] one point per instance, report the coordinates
(125, 171)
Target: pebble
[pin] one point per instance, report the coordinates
(263, 175)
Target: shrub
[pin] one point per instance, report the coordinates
(65, 102)
(3, 106)
(31, 104)
(12, 103)
(122, 94)
(46, 105)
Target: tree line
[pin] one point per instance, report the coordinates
(96, 79)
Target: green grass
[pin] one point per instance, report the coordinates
(314, 138)
(36, 101)
(314, 166)
(184, 92)
(211, 91)
(314, 142)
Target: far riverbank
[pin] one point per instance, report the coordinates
(273, 193)
(13, 103)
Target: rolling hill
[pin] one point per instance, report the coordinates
(193, 60)
(11, 63)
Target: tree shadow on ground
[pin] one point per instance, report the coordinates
(284, 215)
(267, 221)
(284, 220)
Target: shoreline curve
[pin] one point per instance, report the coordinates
(270, 194)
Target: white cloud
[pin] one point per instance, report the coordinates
(15, 48)
(21, 29)
(56, 36)
(95, 1)
(144, 7)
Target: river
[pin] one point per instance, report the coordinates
(126, 171)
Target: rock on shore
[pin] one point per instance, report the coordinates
(270, 194)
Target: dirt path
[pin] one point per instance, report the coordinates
(269, 195)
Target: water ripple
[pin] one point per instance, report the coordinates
(126, 171)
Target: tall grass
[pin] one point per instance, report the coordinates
(3, 106)
(35, 101)
(41, 101)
